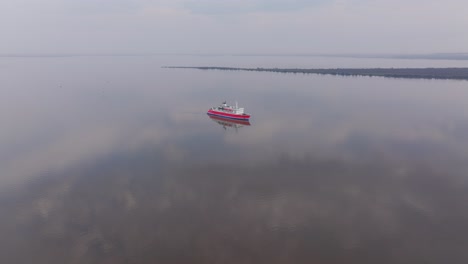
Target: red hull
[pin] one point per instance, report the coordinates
(229, 121)
(227, 115)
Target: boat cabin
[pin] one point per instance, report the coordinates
(229, 109)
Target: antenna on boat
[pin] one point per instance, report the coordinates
(236, 105)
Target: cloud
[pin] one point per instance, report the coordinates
(209, 26)
(213, 7)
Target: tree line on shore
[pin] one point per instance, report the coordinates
(415, 73)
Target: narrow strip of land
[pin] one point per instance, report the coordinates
(413, 73)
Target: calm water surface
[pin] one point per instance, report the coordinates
(113, 160)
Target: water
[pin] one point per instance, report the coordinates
(113, 160)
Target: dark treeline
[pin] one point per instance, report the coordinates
(416, 73)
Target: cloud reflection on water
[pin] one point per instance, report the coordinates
(145, 206)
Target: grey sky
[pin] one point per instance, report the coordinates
(233, 26)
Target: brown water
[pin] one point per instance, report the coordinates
(113, 160)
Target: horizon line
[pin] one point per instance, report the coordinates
(437, 55)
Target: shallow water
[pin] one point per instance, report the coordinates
(113, 160)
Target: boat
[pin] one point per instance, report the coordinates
(227, 111)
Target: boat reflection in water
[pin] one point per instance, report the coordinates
(229, 123)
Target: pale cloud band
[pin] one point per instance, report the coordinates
(209, 26)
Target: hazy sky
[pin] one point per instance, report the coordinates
(233, 26)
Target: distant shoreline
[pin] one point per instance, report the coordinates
(409, 73)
